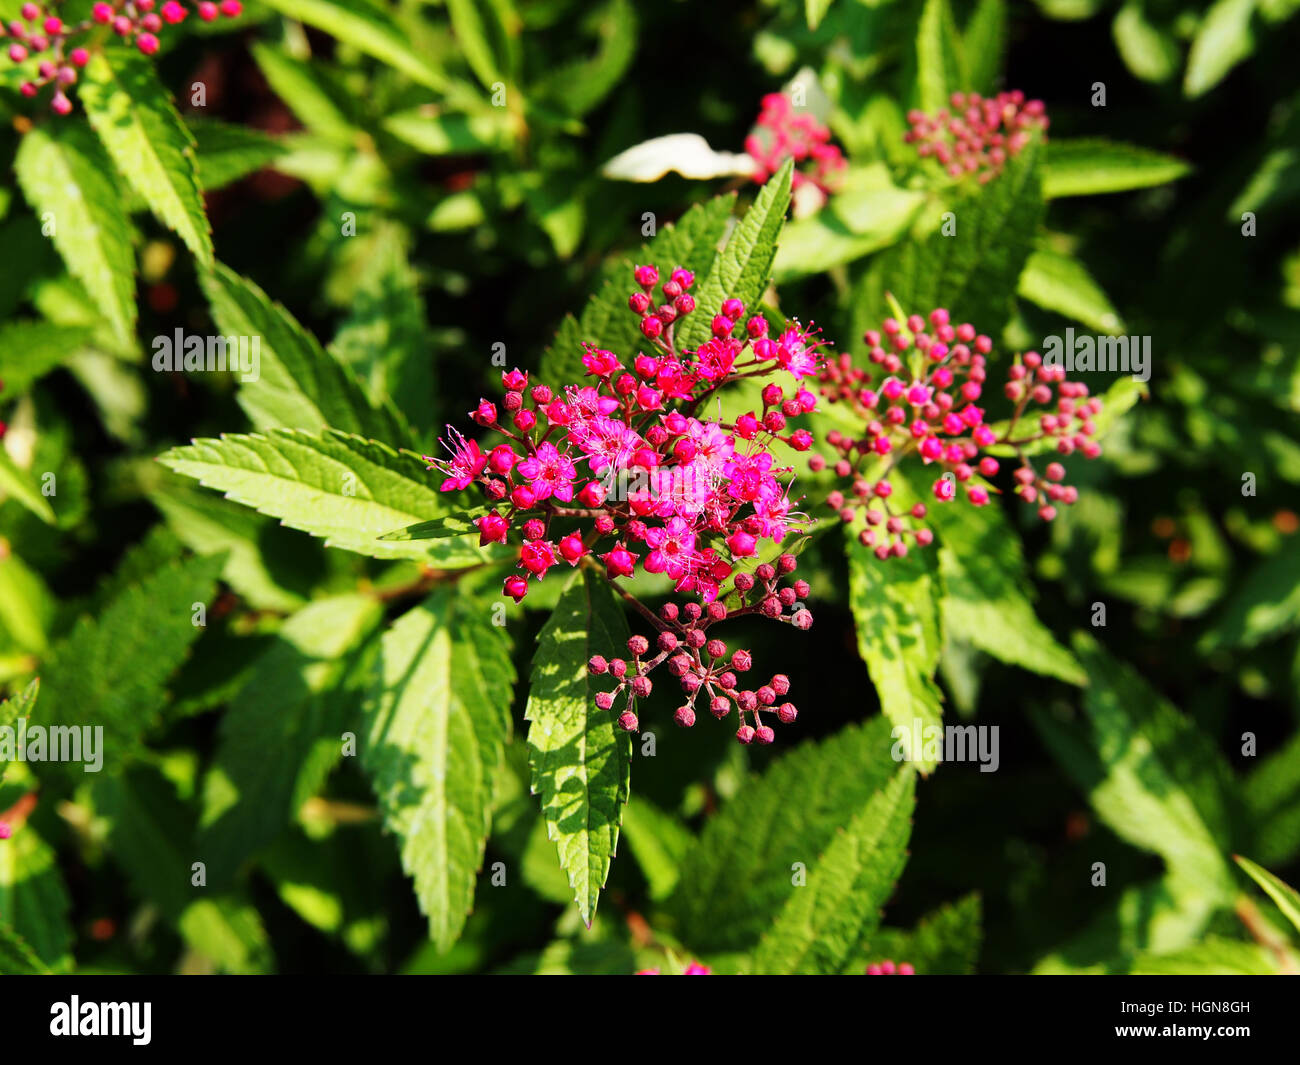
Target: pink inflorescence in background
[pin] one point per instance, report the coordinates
(888, 968)
(631, 471)
(979, 134)
(41, 35)
(922, 400)
(785, 133)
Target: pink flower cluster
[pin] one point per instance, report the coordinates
(932, 375)
(41, 32)
(784, 133)
(978, 135)
(888, 968)
(630, 472)
(693, 969)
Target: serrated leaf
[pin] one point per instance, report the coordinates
(1091, 167)
(110, 670)
(691, 243)
(226, 152)
(67, 179)
(341, 488)
(17, 484)
(825, 922)
(437, 529)
(944, 942)
(580, 759)
(436, 721)
(1062, 284)
(1282, 893)
(281, 734)
(1224, 39)
(297, 385)
(787, 815)
(985, 591)
(137, 124)
(33, 900)
(16, 707)
(974, 271)
(368, 28)
(895, 607)
(939, 62)
(1149, 773)
(868, 213)
(209, 525)
(743, 268)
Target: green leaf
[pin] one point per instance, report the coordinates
(1150, 52)
(986, 599)
(17, 707)
(437, 529)
(975, 271)
(815, 11)
(1149, 773)
(825, 922)
(16, 957)
(437, 720)
(307, 89)
(33, 900)
(1271, 794)
(895, 607)
(580, 758)
(691, 243)
(17, 485)
(67, 178)
(297, 384)
(346, 490)
(487, 32)
(227, 152)
(658, 842)
(740, 870)
(111, 669)
(939, 63)
(1223, 40)
(984, 44)
(210, 526)
(29, 350)
(1090, 167)
(944, 942)
(134, 117)
(1282, 893)
(283, 732)
(1214, 956)
(428, 130)
(1061, 283)
(152, 837)
(368, 28)
(744, 267)
(1264, 605)
(860, 218)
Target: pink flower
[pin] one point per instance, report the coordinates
(465, 464)
(537, 557)
(549, 472)
(671, 547)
